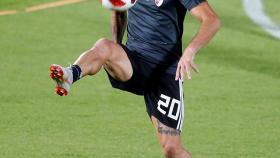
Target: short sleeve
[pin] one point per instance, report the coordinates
(190, 4)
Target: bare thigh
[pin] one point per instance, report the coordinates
(118, 64)
(109, 55)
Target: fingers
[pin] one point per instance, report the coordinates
(178, 72)
(185, 68)
(182, 72)
(188, 71)
(194, 67)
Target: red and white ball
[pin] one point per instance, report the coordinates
(118, 5)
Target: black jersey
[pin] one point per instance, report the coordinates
(155, 29)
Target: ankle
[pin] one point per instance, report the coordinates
(76, 72)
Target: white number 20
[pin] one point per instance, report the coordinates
(165, 103)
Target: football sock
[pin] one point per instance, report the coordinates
(76, 70)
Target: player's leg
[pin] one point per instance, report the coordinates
(165, 105)
(170, 141)
(104, 53)
(108, 54)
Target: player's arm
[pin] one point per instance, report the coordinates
(118, 25)
(209, 25)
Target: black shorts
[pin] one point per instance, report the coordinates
(163, 95)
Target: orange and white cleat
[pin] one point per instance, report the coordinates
(63, 78)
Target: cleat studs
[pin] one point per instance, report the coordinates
(61, 91)
(51, 68)
(57, 74)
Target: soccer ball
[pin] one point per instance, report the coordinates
(118, 5)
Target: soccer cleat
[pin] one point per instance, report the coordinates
(63, 78)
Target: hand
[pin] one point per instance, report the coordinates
(186, 65)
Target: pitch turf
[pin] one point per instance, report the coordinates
(272, 8)
(232, 106)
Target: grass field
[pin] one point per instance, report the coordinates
(272, 8)
(232, 106)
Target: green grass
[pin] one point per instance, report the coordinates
(272, 8)
(232, 106)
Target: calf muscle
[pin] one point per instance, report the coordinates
(170, 141)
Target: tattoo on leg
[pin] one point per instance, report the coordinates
(162, 129)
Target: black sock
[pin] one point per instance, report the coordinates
(76, 70)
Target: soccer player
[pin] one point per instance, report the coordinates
(151, 63)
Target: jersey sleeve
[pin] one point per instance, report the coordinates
(190, 4)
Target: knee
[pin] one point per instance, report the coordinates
(169, 150)
(174, 151)
(102, 48)
(102, 42)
